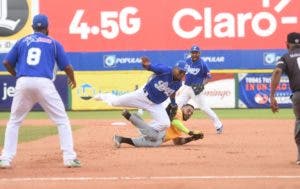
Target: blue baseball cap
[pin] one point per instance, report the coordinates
(195, 49)
(40, 21)
(181, 65)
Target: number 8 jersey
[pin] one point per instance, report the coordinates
(38, 55)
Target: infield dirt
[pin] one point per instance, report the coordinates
(249, 154)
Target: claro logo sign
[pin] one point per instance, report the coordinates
(233, 25)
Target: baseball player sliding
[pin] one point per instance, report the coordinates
(164, 84)
(177, 128)
(174, 132)
(197, 76)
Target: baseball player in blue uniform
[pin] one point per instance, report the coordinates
(163, 84)
(197, 75)
(33, 61)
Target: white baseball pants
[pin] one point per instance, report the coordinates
(186, 93)
(31, 90)
(138, 99)
(150, 137)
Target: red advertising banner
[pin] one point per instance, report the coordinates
(109, 25)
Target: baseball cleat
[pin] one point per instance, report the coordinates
(4, 164)
(201, 135)
(117, 141)
(126, 114)
(219, 130)
(72, 163)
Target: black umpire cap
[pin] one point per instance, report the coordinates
(293, 38)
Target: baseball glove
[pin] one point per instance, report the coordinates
(171, 110)
(196, 135)
(198, 88)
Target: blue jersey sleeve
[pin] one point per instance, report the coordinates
(61, 57)
(158, 68)
(207, 71)
(12, 55)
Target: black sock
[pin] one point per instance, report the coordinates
(126, 114)
(127, 141)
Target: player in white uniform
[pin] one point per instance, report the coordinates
(164, 84)
(197, 76)
(32, 60)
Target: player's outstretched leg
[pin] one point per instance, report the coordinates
(118, 140)
(150, 137)
(126, 114)
(143, 127)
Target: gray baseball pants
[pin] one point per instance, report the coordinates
(150, 137)
(296, 108)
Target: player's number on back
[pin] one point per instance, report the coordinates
(33, 56)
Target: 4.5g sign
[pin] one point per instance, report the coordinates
(112, 23)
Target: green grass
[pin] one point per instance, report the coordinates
(253, 114)
(222, 113)
(30, 133)
(72, 115)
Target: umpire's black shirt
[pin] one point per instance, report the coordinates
(290, 65)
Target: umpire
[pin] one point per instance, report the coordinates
(290, 65)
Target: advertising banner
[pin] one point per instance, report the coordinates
(219, 92)
(115, 82)
(249, 35)
(7, 90)
(113, 35)
(216, 60)
(254, 90)
(135, 25)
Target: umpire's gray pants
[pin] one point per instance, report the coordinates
(150, 137)
(296, 107)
